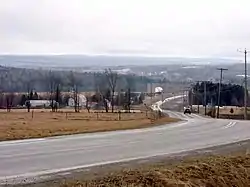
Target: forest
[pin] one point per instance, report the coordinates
(231, 94)
(24, 80)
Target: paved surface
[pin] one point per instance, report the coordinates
(31, 158)
(174, 105)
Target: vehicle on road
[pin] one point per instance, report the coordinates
(187, 110)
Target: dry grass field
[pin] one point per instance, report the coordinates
(236, 110)
(211, 171)
(19, 124)
(225, 110)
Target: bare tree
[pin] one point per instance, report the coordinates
(74, 86)
(9, 101)
(58, 97)
(27, 81)
(87, 104)
(2, 80)
(55, 82)
(112, 80)
(28, 105)
(76, 98)
(128, 100)
(101, 90)
(130, 85)
(1, 99)
(29, 86)
(7, 97)
(130, 82)
(52, 87)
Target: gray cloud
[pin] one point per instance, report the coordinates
(160, 27)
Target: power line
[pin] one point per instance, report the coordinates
(219, 91)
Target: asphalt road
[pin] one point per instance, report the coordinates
(38, 157)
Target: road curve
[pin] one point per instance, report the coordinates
(38, 157)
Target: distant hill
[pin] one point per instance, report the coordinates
(64, 61)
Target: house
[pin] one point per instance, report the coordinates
(40, 103)
(81, 101)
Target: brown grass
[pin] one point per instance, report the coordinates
(20, 125)
(212, 171)
(237, 110)
(225, 110)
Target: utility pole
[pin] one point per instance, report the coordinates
(129, 100)
(246, 92)
(183, 98)
(205, 97)
(184, 95)
(197, 95)
(192, 98)
(151, 102)
(151, 93)
(162, 96)
(219, 94)
(245, 80)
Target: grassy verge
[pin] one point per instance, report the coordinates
(23, 125)
(210, 171)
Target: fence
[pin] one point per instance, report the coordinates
(41, 115)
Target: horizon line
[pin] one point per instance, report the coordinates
(119, 55)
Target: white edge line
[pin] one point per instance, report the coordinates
(55, 171)
(27, 141)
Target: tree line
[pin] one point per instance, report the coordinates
(58, 88)
(231, 94)
(21, 80)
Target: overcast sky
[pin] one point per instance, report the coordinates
(147, 27)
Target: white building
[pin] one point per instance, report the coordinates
(40, 103)
(158, 90)
(81, 100)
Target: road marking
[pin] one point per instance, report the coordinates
(189, 116)
(197, 116)
(11, 178)
(4, 179)
(16, 142)
(231, 124)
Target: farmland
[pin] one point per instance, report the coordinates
(19, 124)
